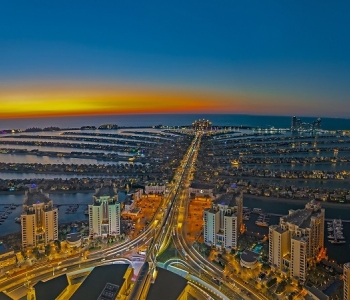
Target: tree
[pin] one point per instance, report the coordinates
(47, 249)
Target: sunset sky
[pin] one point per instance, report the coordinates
(107, 57)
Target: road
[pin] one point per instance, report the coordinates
(166, 225)
(234, 288)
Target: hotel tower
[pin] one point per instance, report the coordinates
(297, 240)
(104, 213)
(39, 219)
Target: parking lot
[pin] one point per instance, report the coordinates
(136, 223)
(194, 224)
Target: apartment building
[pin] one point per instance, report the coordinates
(221, 221)
(39, 219)
(104, 213)
(297, 240)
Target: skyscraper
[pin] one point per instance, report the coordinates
(211, 225)
(221, 221)
(239, 211)
(297, 240)
(104, 213)
(39, 219)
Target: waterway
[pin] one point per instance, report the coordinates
(9, 176)
(59, 149)
(328, 153)
(339, 253)
(330, 184)
(341, 166)
(170, 120)
(31, 159)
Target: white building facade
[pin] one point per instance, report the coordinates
(104, 213)
(211, 226)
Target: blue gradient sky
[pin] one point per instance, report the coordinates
(294, 53)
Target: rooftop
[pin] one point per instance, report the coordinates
(4, 296)
(50, 290)
(228, 199)
(95, 283)
(211, 210)
(73, 237)
(106, 191)
(249, 256)
(318, 293)
(167, 286)
(110, 292)
(297, 217)
(36, 197)
(302, 217)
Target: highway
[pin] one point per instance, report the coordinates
(234, 288)
(167, 225)
(163, 231)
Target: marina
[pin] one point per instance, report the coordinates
(335, 228)
(263, 220)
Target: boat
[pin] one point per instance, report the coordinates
(235, 162)
(330, 236)
(18, 220)
(337, 242)
(262, 223)
(257, 210)
(330, 229)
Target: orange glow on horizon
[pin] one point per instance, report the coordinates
(87, 99)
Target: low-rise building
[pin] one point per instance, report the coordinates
(201, 190)
(249, 259)
(155, 188)
(7, 257)
(74, 239)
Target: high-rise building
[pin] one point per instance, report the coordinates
(221, 221)
(211, 225)
(39, 219)
(239, 211)
(297, 240)
(346, 276)
(104, 213)
(294, 124)
(231, 229)
(201, 125)
(298, 125)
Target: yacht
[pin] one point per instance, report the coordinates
(337, 242)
